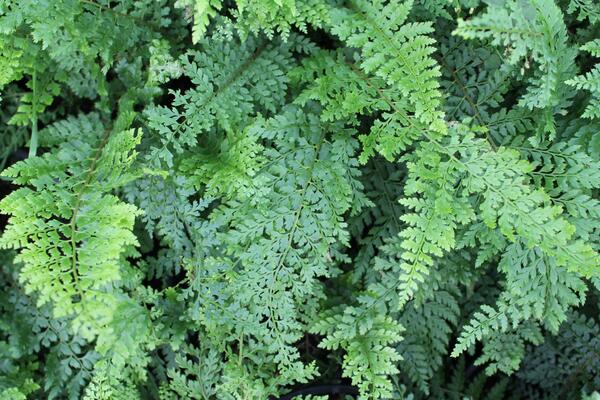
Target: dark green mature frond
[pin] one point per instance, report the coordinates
(430, 325)
(530, 29)
(585, 9)
(476, 81)
(280, 243)
(381, 221)
(570, 359)
(590, 81)
(228, 90)
(366, 339)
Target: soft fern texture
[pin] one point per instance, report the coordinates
(252, 200)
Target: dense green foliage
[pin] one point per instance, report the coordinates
(234, 199)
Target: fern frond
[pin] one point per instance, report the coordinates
(278, 247)
(383, 183)
(568, 362)
(590, 82)
(375, 28)
(585, 9)
(429, 327)
(534, 27)
(366, 338)
(229, 89)
(66, 216)
(201, 11)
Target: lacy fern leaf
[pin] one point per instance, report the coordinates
(67, 216)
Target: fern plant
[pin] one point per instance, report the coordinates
(208, 199)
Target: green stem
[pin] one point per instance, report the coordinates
(33, 144)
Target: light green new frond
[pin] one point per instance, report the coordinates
(595, 395)
(536, 289)
(435, 213)
(482, 323)
(376, 28)
(279, 16)
(43, 88)
(66, 216)
(20, 393)
(519, 211)
(250, 380)
(400, 91)
(227, 168)
(337, 84)
(256, 16)
(163, 66)
(589, 81)
(69, 45)
(345, 91)
(21, 58)
(201, 11)
(592, 47)
(11, 63)
(567, 174)
(108, 383)
(26, 333)
(526, 216)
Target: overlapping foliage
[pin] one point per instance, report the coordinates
(234, 199)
